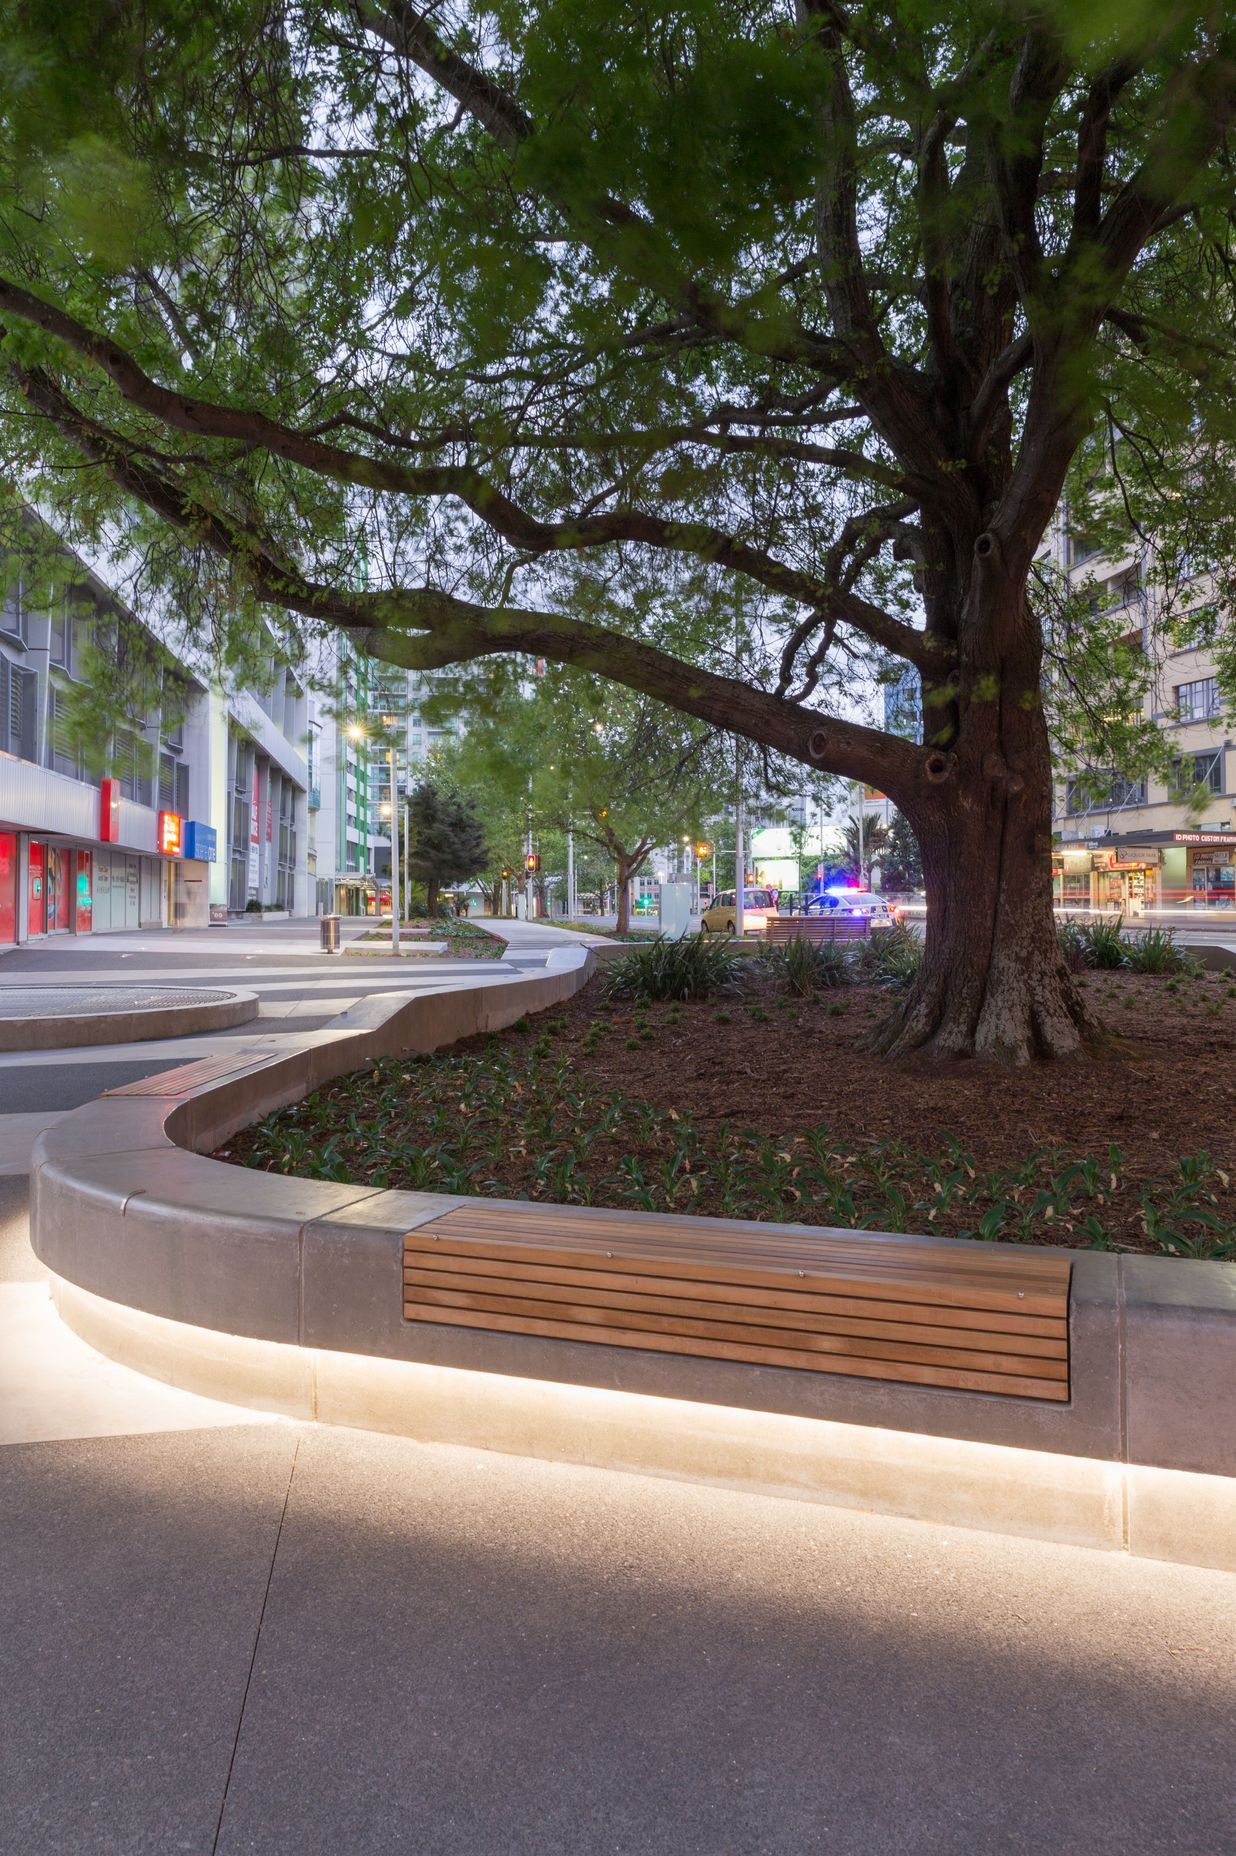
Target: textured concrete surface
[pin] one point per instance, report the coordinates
(132, 1574)
(478, 1656)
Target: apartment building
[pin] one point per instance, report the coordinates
(372, 709)
(1137, 846)
(194, 808)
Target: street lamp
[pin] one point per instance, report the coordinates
(358, 733)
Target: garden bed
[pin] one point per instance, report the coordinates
(764, 1104)
(464, 939)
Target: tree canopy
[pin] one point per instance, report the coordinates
(564, 751)
(726, 348)
(445, 841)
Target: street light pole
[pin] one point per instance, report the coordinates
(738, 856)
(570, 874)
(390, 755)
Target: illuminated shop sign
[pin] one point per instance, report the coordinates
(201, 842)
(109, 811)
(171, 831)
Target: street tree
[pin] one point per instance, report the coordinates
(865, 849)
(623, 773)
(814, 305)
(901, 867)
(445, 839)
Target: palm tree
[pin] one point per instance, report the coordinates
(875, 843)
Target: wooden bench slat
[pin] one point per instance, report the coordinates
(833, 1272)
(870, 1305)
(423, 1299)
(908, 1372)
(816, 928)
(627, 1274)
(592, 1229)
(813, 1315)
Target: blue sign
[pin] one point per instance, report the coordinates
(200, 841)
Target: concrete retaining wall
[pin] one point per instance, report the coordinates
(286, 1293)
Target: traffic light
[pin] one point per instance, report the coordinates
(532, 862)
(505, 874)
(703, 850)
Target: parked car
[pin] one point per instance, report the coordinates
(722, 916)
(841, 899)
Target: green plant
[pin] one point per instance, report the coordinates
(1103, 946)
(1156, 950)
(1072, 942)
(891, 957)
(804, 965)
(693, 967)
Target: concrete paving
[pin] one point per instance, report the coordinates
(267, 1641)
(230, 1635)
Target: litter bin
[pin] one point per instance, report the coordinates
(330, 933)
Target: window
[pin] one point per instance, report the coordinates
(1198, 701)
(1081, 548)
(128, 765)
(62, 754)
(61, 641)
(19, 697)
(13, 611)
(1103, 792)
(173, 785)
(167, 783)
(1194, 770)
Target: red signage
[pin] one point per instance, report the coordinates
(109, 811)
(171, 831)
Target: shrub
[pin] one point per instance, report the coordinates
(690, 968)
(1103, 946)
(891, 957)
(1156, 950)
(803, 965)
(1072, 941)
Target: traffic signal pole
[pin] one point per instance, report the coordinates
(738, 856)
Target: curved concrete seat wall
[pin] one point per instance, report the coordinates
(287, 1293)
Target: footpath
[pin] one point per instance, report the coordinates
(222, 1632)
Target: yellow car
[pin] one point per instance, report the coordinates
(721, 916)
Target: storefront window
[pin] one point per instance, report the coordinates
(36, 900)
(8, 887)
(83, 900)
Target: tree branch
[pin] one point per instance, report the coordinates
(423, 628)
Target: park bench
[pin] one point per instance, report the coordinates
(870, 1306)
(833, 927)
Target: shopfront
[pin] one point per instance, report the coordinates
(1108, 879)
(1160, 870)
(1127, 881)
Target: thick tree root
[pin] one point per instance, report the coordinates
(1015, 1018)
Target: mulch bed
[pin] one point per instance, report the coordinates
(768, 1105)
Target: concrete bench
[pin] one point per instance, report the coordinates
(832, 927)
(867, 1306)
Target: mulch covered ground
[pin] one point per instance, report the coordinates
(768, 1105)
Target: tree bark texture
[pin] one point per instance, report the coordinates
(993, 981)
(623, 886)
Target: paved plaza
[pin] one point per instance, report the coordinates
(223, 1632)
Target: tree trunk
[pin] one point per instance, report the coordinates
(993, 981)
(431, 897)
(623, 895)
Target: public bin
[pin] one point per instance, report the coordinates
(330, 933)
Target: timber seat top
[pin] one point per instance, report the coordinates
(751, 1253)
(866, 1304)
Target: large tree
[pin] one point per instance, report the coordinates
(803, 308)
